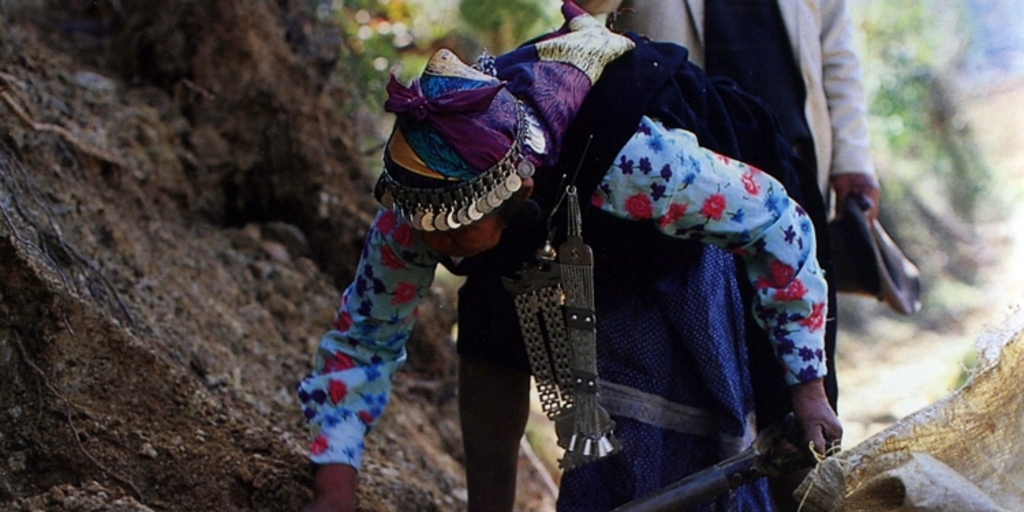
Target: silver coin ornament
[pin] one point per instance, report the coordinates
(525, 169)
(493, 200)
(453, 223)
(483, 206)
(428, 221)
(503, 192)
(535, 136)
(513, 182)
(441, 221)
(463, 215)
(474, 212)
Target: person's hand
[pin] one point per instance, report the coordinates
(815, 416)
(334, 486)
(857, 183)
(468, 240)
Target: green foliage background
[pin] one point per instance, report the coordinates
(937, 184)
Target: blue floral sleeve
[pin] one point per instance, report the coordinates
(351, 381)
(665, 176)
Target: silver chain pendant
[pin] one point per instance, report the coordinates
(586, 429)
(555, 305)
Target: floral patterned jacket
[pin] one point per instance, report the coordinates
(662, 176)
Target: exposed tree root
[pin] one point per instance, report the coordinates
(71, 424)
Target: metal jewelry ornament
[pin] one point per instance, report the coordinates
(513, 183)
(463, 215)
(459, 203)
(539, 300)
(493, 201)
(427, 222)
(525, 169)
(441, 221)
(453, 223)
(585, 432)
(503, 192)
(555, 305)
(483, 206)
(474, 213)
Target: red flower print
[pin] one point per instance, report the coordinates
(404, 292)
(724, 159)
(338, 362)
(366, 417)
(713, 207)
(675, 212)
(639, 206)
(795, 291)
(319, 445)
(390, 261)
(782, 274)
(817, 318)
(342, 322)
(387, 221)
(739, 251)
(403, 235)
(749, 183)
(337, 389)
(597, 201)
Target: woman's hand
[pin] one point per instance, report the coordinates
(468, 240)
(334, 486)
(815, 416)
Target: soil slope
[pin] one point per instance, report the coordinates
(179, 198)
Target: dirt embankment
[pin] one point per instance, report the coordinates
(179, 198)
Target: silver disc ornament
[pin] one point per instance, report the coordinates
(427, 222)
(474, 212)
(513, 182)
(503, 192)
(463, 215)
(483, 206)
(441, 221)
(525, 169)
(453, 222)
(493, 200)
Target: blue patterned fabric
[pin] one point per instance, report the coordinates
(692, 324)
(436, 152)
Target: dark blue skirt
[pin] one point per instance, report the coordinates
(672, 359)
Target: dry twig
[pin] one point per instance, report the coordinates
(194, 87)
(62, 132)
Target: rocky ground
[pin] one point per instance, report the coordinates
(179, 197)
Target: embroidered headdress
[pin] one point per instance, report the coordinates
(465, 137)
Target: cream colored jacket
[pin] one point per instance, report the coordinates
(821, 34)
